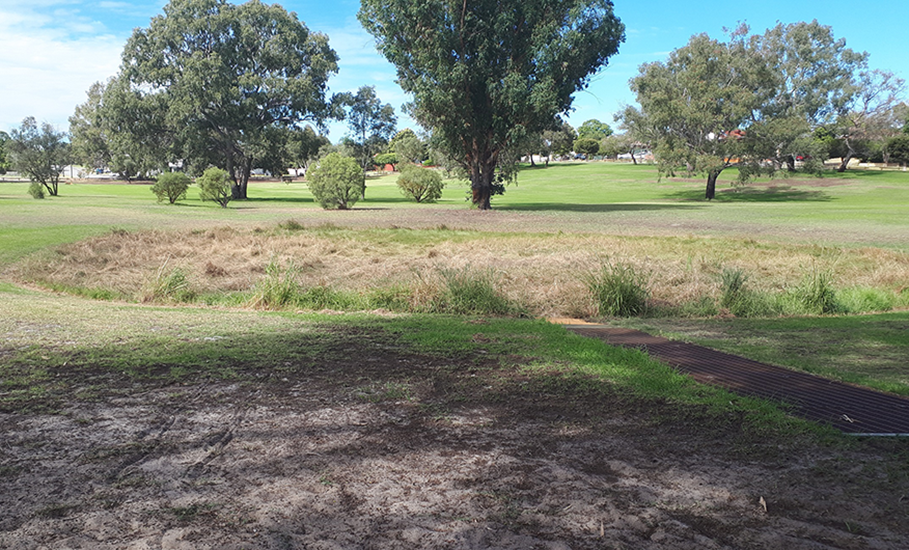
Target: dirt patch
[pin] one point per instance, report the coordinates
(372, 446)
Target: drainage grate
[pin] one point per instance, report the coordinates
(852, 409)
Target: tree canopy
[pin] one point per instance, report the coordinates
(224, 83)
(754, 102)
(486, 73)
(594, 129)
(371, 123)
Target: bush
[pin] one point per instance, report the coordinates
(36, 190)
(215, 186)
(171, 186)
(420, 184)
(337, 182)
(619, 290)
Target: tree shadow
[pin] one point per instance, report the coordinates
(594, 208)
(775, 193)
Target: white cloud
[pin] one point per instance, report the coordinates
(51, 56)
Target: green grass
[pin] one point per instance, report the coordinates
(856, 209)
(51, 356)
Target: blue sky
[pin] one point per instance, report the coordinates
(51, 51)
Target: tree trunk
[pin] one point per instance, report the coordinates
(633, 160)
(711, 184)
(241, 180)
(532, 165)
(845, 163)
(482, 169)
(790, 163)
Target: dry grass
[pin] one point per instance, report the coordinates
(543, 272)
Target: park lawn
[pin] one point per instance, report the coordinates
(779, 217)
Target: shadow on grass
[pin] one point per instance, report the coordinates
(601, 208)
(776, 193)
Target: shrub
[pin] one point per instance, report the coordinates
(619, 290)
(337, 182)
(420, 184)
(171, 186)
(36, 190)
(215, 185)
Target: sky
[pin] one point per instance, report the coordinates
(51, 51)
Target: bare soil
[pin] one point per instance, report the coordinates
(373, 446)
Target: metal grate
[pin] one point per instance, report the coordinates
(852, 409)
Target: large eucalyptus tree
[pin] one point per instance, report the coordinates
(230, 79)
(486, 73)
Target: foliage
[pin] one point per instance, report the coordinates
(410, 149)
(467, 291)
(815, 294)
(594, 129)
(172, 285)
(88, 134)
(701, 100)
(867, 119)
(558, 140)
(371, 123)
(278, 288)
(485, 74)
(5, 164)
(224, 84)
(586, 146)
(899, 149)
(336, 182)
(171, 186)
(619, 289)
(385, 158)
(303, 146)
(733, 287)
(714, 105)
(420, 184)
(215, 185)
(39, 153)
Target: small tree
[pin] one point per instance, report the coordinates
(39, 153)
(171, 186)
(586, 146)
(337, 182)
(215, 185)
(420, 184)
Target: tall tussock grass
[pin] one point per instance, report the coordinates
(619, 289)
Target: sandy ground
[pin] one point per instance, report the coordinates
(377, 447)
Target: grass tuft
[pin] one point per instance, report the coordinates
(470, 291)
(619, 289)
